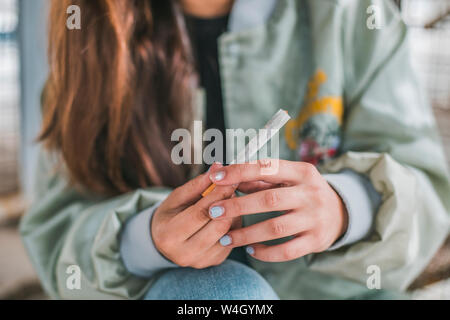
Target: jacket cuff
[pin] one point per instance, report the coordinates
(137, 248)
(361, 200)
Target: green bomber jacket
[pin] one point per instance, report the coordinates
(356, 103)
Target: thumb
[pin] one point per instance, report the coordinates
(191, 191)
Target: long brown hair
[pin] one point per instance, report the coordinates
(116, 90)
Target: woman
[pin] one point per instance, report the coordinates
(112, 202)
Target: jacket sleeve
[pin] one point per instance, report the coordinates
(137, 248)
(389, 135)
(66, 232)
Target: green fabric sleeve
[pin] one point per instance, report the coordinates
(389, 135)
(64, 228)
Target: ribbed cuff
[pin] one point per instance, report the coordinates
(361, 201)
(137, 249)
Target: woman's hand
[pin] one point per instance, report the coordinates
(182, 229)
(315, 214)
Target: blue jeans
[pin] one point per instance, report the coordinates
(230, 281)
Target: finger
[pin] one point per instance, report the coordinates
(209, 235)
(197, 216)
(290, 250)
(255, 186)
(283, 226)
(270, 170)
(219, 254)
(280, 199)
(212, 257)
(190, 192)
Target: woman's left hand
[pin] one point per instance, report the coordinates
(314, 213)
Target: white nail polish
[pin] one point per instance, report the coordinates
(218, 176)
(216, 212)
(250, 250)
(225, 241)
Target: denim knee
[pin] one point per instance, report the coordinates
(229, 281)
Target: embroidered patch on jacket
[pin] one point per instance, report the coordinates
(315, 133)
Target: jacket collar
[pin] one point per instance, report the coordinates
(247, 14)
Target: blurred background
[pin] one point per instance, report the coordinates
(23, 71)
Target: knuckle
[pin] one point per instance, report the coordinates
(202, 244)
(183, 261)
(239, 170)
(157, 230)
(289, 253)
(224, 193)
(316, 196)
(202, 213)
(271, 199)
(222, 227)
(308, 170)
(315, 189)
(320, 200)
(176, 193)
(235, 206)
(309, 167)
(321, 242)
(163, 241)
(315, 223)
(223, 257)
(195, 185)
(198, 266)
(161, 237)
(239, 237)
(277, 228)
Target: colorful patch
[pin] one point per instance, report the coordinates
(315, 133)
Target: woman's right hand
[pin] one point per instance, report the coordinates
(183, 230)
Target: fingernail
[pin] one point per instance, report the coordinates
(216, 212)
(225, 241)
(250, 250)
(218, 176)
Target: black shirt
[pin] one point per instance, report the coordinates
(204, 34)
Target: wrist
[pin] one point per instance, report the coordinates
(137, 247)
(361, 201)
